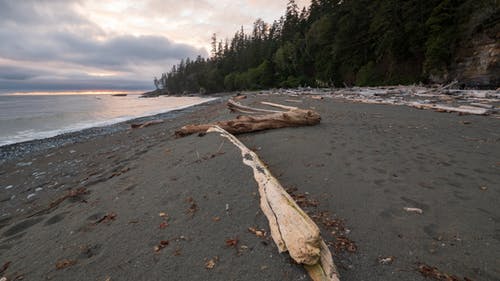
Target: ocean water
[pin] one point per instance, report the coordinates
(26, 117)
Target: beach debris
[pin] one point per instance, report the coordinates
(163, 215)
(161, 245)
(210, 263)
(483, 188)
(9, 187)
(343, 243)
(215, 219)
(3, 278)
(106, 218)
(316, 97)
(268, 119)
(413, 210)
(259, 233)
(65, 263)
(233, 242)
(5, 266)
(193, 207)
(291, 228)
(463, 102)
(31, 195)
(177, 252)
(24, 164)
(239, 97)
(386, 260)
(163, 225)
(146, 124)
(302, 198)
(434, 273)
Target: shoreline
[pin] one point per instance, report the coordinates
(24, 148)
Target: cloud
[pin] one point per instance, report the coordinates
(95, 43)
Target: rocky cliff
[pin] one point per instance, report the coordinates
(477, 59)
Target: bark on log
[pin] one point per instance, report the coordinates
(291, 228)
(273, 119)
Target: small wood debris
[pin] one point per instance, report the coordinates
(302, 198)
(343, 243)
(177, 252)
(239, 97)
(107, 218)
(386, 260)
(434, 273)
(259, 233)
(161, 245)
(232, 242)
(210, 264)
(145, 124)
(193, 207)
(64, 263)
(413, 210)
(119, 173)
(5, 267)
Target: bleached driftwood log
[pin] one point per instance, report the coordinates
(291, 228)
(462, 109)
(268, 119)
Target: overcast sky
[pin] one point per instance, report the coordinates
(112, 44)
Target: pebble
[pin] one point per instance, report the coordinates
(9, 187)
(30, 196)
(72, 151)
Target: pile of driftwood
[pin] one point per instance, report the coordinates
(291, 228)
(441, 98)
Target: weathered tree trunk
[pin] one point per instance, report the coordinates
(291, 228)
(270, 119)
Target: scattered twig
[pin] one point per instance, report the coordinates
(107, 218)
(193, 207)
(64, 263)
(161, 245)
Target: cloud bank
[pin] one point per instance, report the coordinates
(90, 44)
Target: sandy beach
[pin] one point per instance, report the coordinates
(143, 205)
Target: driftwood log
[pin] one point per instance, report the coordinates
(145, 124)
(291, 228)
(260, 119)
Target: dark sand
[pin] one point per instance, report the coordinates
(363, 164)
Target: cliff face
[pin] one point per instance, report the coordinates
(477, 60)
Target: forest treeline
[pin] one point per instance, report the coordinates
(337, 43)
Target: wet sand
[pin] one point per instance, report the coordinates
(363, 164)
